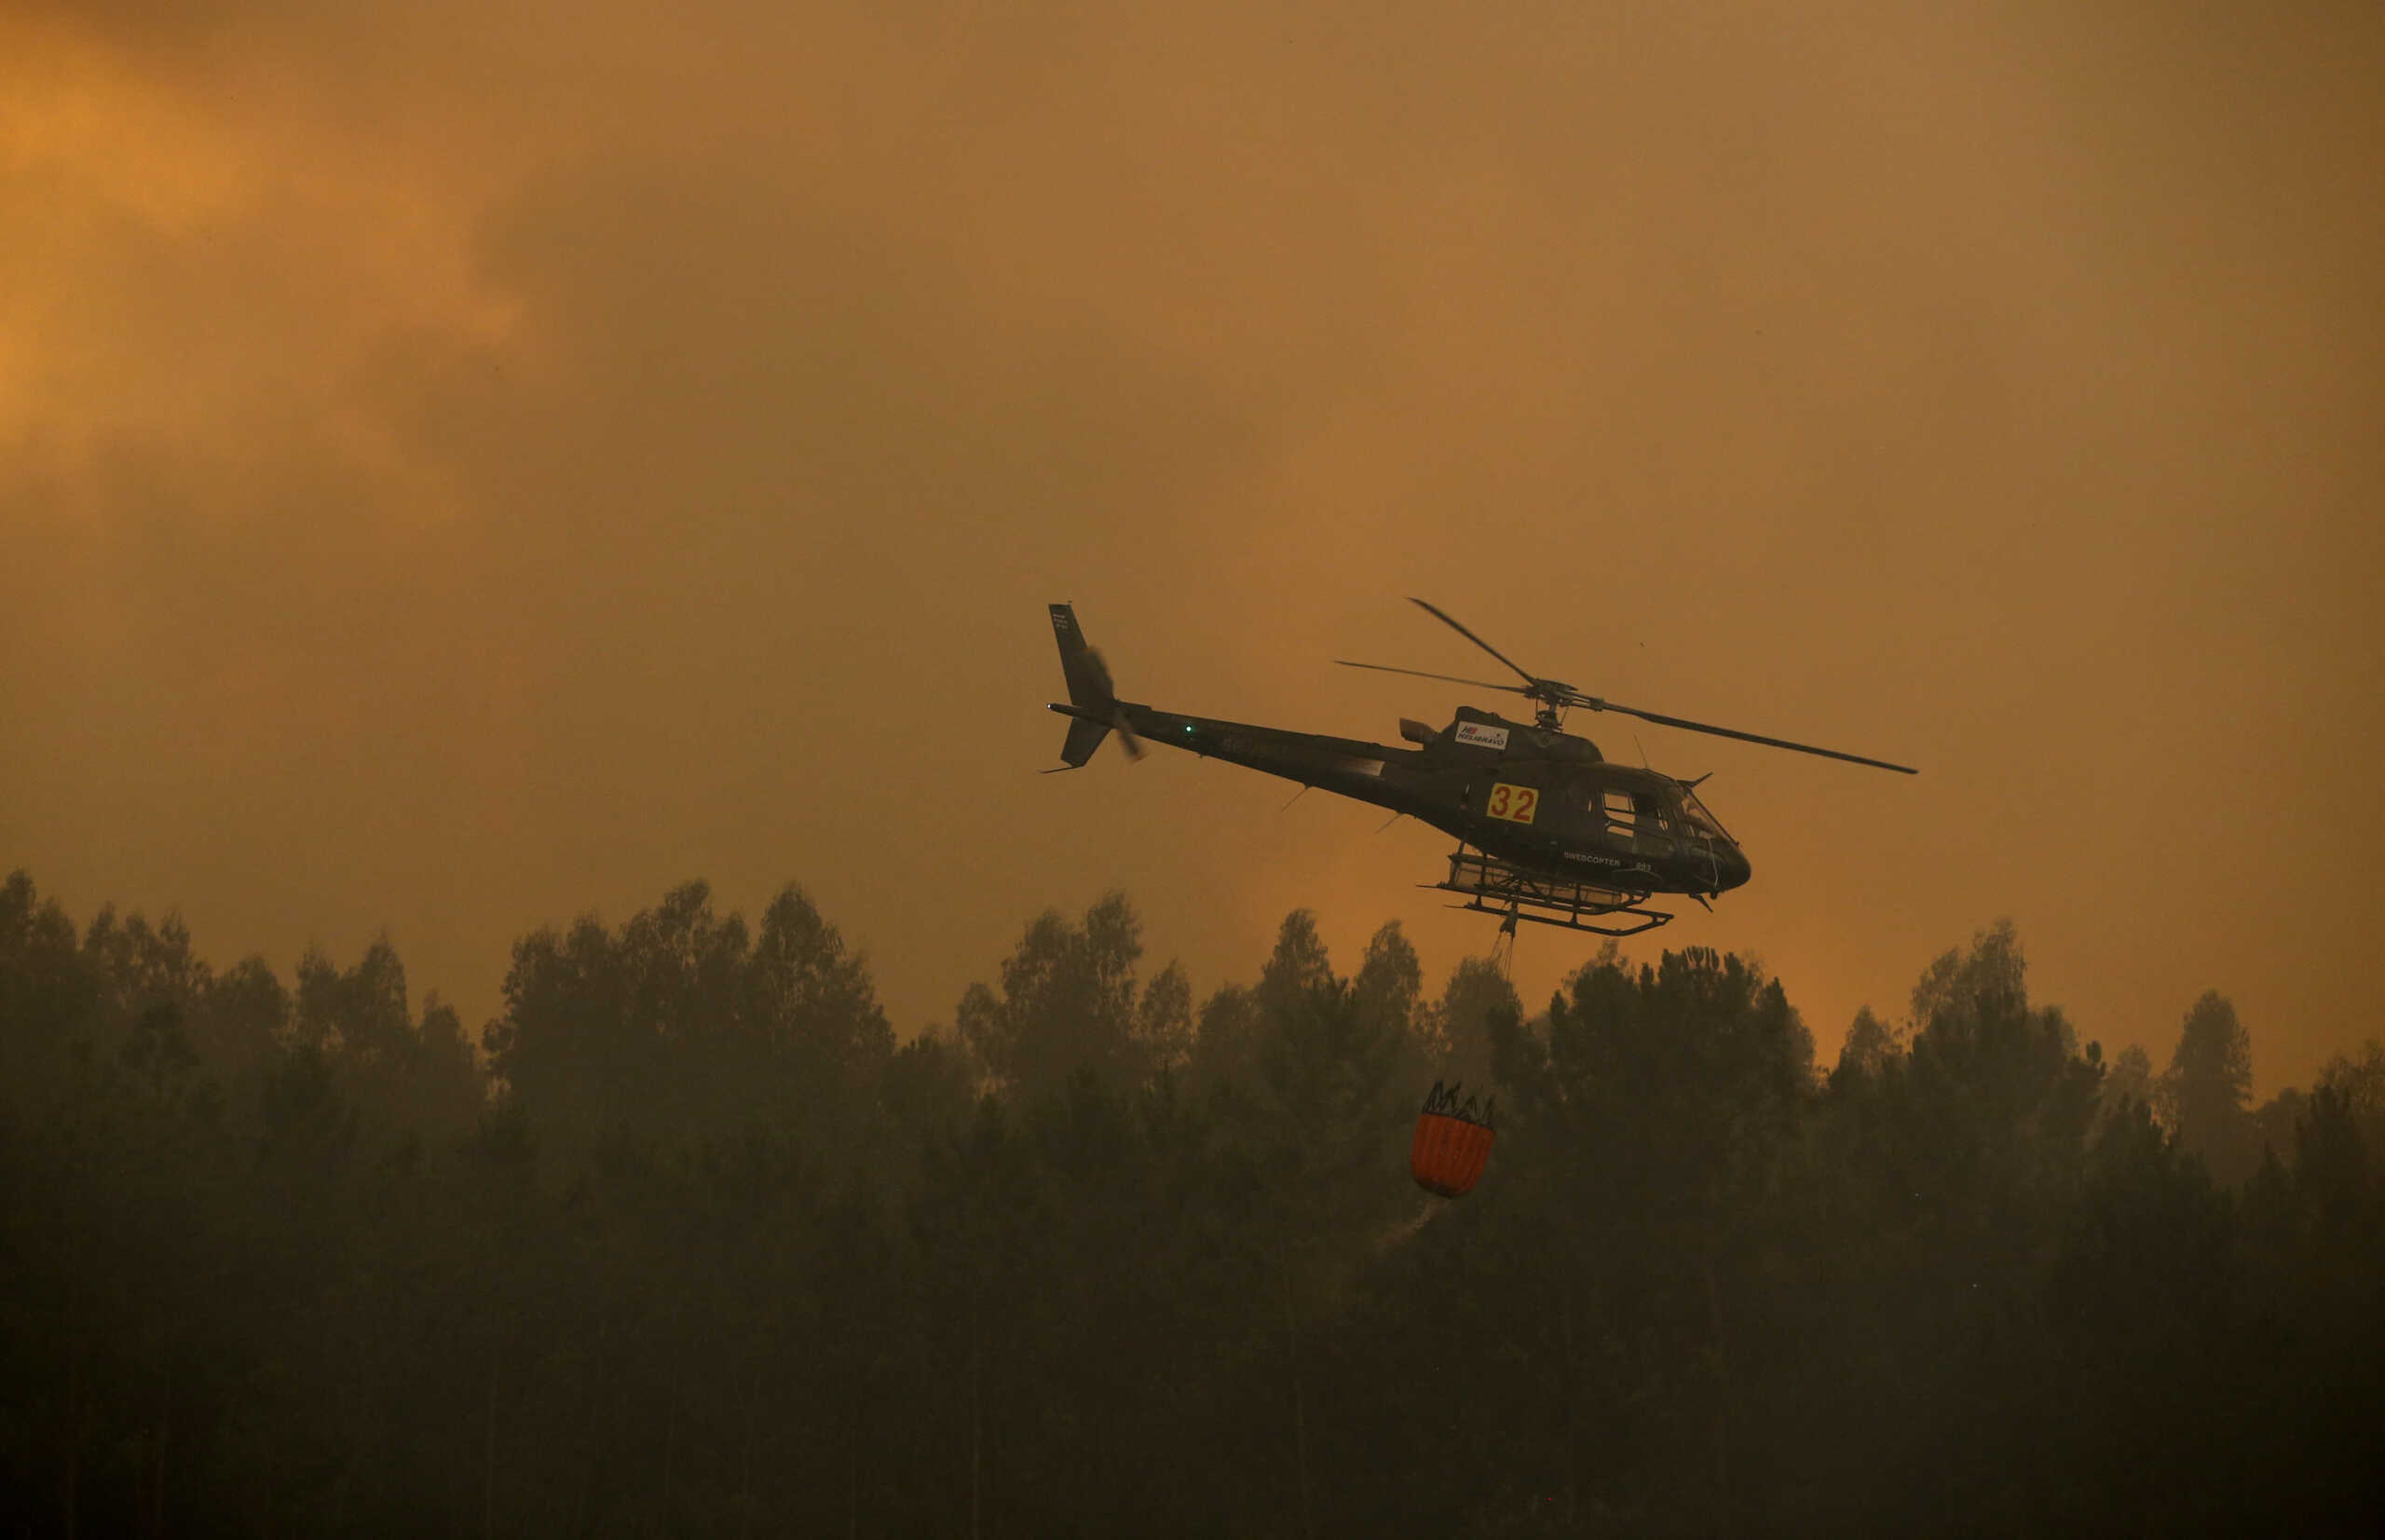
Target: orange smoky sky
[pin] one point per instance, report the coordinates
(466, 465)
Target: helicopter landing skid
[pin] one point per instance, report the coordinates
(1512, 892)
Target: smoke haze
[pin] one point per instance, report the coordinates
(459, 464)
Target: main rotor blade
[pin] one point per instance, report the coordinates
(1445, 678)
(1578, 699)
(1528, 677)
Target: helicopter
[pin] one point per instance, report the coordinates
(1548, 830)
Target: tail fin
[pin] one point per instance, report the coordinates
(1091, 699)
(1089, 691)
(1088, 679)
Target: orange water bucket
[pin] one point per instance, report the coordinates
(1452, 1143)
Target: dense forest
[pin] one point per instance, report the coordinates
(687, 1242)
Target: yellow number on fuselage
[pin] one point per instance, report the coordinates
(1514, 804)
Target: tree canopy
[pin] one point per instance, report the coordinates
(694, 1245)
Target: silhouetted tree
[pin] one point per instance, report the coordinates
(682, 1027)
(2207, 1093)
(1477, 991)
(2127, 1081)
(1869, 1047)
(1226, 1040)
(1071, 1002)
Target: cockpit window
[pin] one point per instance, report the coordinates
(1638, 819)
(1699, 817)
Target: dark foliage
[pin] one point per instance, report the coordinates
(697, 1248)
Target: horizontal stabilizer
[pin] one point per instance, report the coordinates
(1084, 738)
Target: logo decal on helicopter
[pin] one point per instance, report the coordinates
(1516, 804)
(1490, 737)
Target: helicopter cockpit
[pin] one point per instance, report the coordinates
(1700, 817)
(1656, 817)
(1635, 817)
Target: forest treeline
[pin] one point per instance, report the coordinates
(690, 1242)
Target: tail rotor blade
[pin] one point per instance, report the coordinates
(1126, 739)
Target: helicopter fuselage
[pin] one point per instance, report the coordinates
(1542, 800)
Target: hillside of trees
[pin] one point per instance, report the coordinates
(686, 1241)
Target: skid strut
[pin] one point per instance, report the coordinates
(1491, 886)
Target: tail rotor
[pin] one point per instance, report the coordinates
(1093, 704)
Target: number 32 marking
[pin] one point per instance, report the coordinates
(1516, 804)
